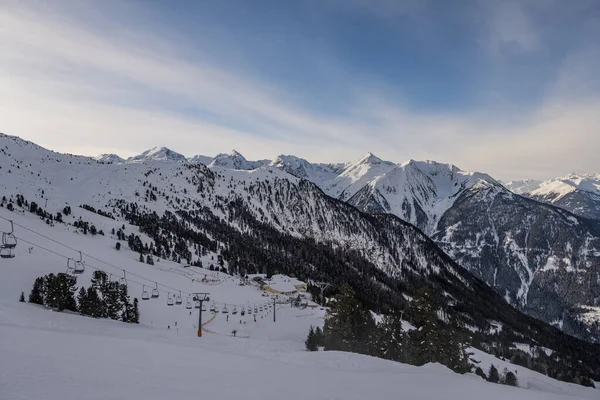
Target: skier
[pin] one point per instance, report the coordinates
(168, 326)
(255, 318)
(227, 318)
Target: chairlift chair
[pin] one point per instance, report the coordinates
(197, 304)
(260, 308)
(188, 304)
(234, 312)
(9, 241)
(213, 309)
(145, 294)
(123, 280)
(243, 312)
(225, 310)
(178, 299)
(6, 252)
(255, 310)
(155, 292)
(169, 300)
(203, 307)
(249, 310)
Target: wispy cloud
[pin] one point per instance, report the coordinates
(82, 89)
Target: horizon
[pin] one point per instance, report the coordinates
(508, 88)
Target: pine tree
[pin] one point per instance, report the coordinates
(426, 341)
(61, 292)
(311, 343)
(391, 338)
(135, 312)
(22, 297)
(350, 325)
(37, 294)
(493, 375)
(510, 379)
(83, 306)
(141, 258)
(97, 306)
(149, 260)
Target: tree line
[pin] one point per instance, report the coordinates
(103, 299)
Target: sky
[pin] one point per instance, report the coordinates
(510, 88)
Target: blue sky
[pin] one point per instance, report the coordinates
(511, 87)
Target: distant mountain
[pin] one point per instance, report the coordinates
(579, 194)
(319, 174)
(235, 160)
(109, 158)
(522, 186)
(199, 159)
(158, 154)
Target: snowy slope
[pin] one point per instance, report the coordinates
(158, 154)
(63, 356)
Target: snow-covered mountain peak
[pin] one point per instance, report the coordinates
(158, 154)
(234, 160)
(370, 158)
(109, 158)
(200, 159)
(522, 186)
(560, 187)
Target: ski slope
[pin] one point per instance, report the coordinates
(50, 355)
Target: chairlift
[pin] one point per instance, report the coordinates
(255, 310)
(249, 310)
(169, 300)
(225, 310)
(203, 306)
(197, 304)
(155, 292)
(112, 286)
(123, 280)
(178, 299)
(6, 252)
(234, 312)
(188, 304)
(145, 294)
(75, 266)
(243, 312)
(9, 241)
(213, 309)
(260, 308)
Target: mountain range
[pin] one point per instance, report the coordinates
(540, 258)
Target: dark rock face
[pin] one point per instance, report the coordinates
(542, 259)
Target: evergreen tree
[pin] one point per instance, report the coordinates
(510, 379)
(97, 306)
(37, 294)
(493, 375)
(61, 292)
(391, 338)
(311, 340)
(350, 325)
(480, 373)
(141, 258)
(22, 297)
(149, 260)
(82, 303)
(426, 341)
(135, 312)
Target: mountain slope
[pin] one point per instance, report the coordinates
(264, 220)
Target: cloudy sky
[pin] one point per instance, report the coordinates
(511, 88)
